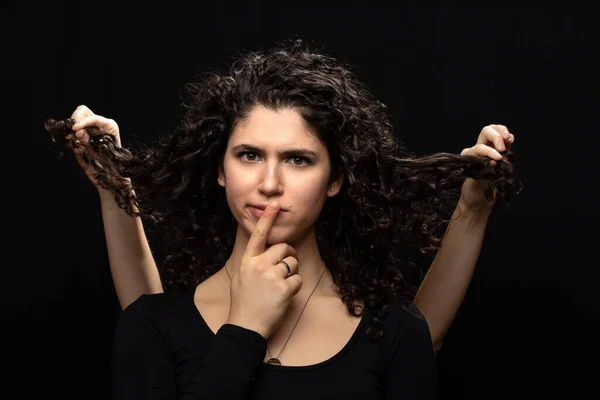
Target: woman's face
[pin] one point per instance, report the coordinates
(273, 155)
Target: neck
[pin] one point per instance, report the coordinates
(310, 264)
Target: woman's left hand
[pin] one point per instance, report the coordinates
(492, 140)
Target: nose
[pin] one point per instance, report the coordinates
(270, 184)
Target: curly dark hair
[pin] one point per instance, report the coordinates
(391, 203)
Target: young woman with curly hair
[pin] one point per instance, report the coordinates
(293, 214)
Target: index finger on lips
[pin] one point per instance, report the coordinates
(258, 238)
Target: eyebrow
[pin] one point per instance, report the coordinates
(291, 152)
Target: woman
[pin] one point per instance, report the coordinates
(294, 209)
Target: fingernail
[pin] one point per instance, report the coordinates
(274, 205)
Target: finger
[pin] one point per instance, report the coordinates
(510, 141)
(483, 150)
(105, 124)
(294, 284)
(292, 262)
(490, 135)
(502, 129)
(81, 112)
(258, 238)
(508, 137)
(279, 252)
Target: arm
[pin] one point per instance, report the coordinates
(143, 368)
(231, 363)
(445, 285)
(132, 265)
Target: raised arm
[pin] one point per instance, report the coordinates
(443, 289)
(132, 265)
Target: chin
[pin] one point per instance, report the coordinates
(273, 239)
(278, 234)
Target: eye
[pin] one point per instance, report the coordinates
(300, 161)
(248, 156)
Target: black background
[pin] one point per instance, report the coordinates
(527, 326)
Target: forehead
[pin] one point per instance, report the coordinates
(268, 128)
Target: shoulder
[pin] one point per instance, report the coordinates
(409, 360)
(152, 303)
(406, 321)
(152, 309)
(406, 336)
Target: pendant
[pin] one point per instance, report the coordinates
(273, 361)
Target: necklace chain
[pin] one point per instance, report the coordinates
(297, 320)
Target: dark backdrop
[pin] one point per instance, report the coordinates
(526, 326)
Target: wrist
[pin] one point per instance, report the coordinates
(476, 213)
(249, 326)
(106, 196)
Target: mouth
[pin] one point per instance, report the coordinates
(258, 209)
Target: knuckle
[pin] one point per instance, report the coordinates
(297, 283)
(248, 261)
(82, 109)
(270, 275)
(258, 233)
(283, 286)
(258, 268)
(291, 250)
(275, 247)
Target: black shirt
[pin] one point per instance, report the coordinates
(164, 349)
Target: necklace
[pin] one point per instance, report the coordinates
(275, 360)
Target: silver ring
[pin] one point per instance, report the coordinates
(287, 266)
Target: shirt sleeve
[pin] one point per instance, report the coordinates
(413, 370)
(143, 368)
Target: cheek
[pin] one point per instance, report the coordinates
(236, 190)
(308, 200)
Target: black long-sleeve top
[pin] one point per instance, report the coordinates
(164, 349)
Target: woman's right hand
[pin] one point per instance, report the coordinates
(261, 289)
(84, 118)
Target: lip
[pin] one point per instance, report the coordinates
(258, 210)
(263, 206)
